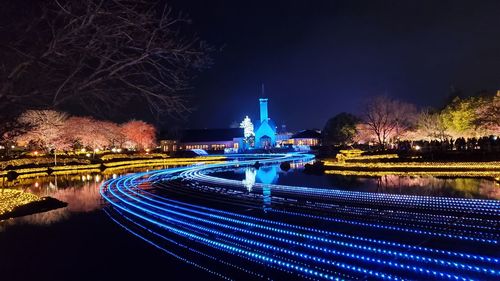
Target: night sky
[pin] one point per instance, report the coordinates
(319, 58)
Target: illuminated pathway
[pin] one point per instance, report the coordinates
(277, 232)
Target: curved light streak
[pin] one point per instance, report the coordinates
(301, 231)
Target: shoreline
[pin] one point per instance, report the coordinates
(391, 164)
(17, 203)
(21, 173)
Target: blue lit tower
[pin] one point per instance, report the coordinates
(263, 110)
(265, 134)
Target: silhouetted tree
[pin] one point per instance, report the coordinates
(99, 55)
(340, 129)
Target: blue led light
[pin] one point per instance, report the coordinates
(311, 252)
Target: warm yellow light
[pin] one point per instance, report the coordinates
(12, 198)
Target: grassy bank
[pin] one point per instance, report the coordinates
(36, 167)
(15, 203)
(356, 163)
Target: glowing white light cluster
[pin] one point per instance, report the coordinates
(248, 129)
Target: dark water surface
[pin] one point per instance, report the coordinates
(466, 187)
(80, 242)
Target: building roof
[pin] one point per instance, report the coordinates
(211, 135)
(307, 134)
(269, 121)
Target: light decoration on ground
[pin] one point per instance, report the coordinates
(409, 166)
(166, 161)
(11, 198)
(448, 169)
(300, 233)
(117, 165)
(462, 174)
(373, 157)
(355, 155)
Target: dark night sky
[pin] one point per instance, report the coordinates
(319, 58)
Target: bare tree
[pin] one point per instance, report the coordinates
(99, 55)
(488, 114)
(431, 126)
(389, 119)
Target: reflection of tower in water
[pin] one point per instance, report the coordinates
(266, 195)
(249, 180)
(266, 175)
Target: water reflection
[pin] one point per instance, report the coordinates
(265, 175)
(268, 174)
(80, 191)
(249, 180)
(438, 186)
(410, 185)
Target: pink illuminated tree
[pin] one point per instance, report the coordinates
(139, 134)
(45, 128)
(113, 133)
(88, 132)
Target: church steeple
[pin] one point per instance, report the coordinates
(263, 106)
(265, 134)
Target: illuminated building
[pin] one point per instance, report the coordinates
(212, 139)
(265, 134)
(283, 137)
(306, 138)
(168, 145)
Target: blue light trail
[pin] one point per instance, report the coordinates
(219, 227)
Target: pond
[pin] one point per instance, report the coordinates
(464, 187)
(80, 242)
